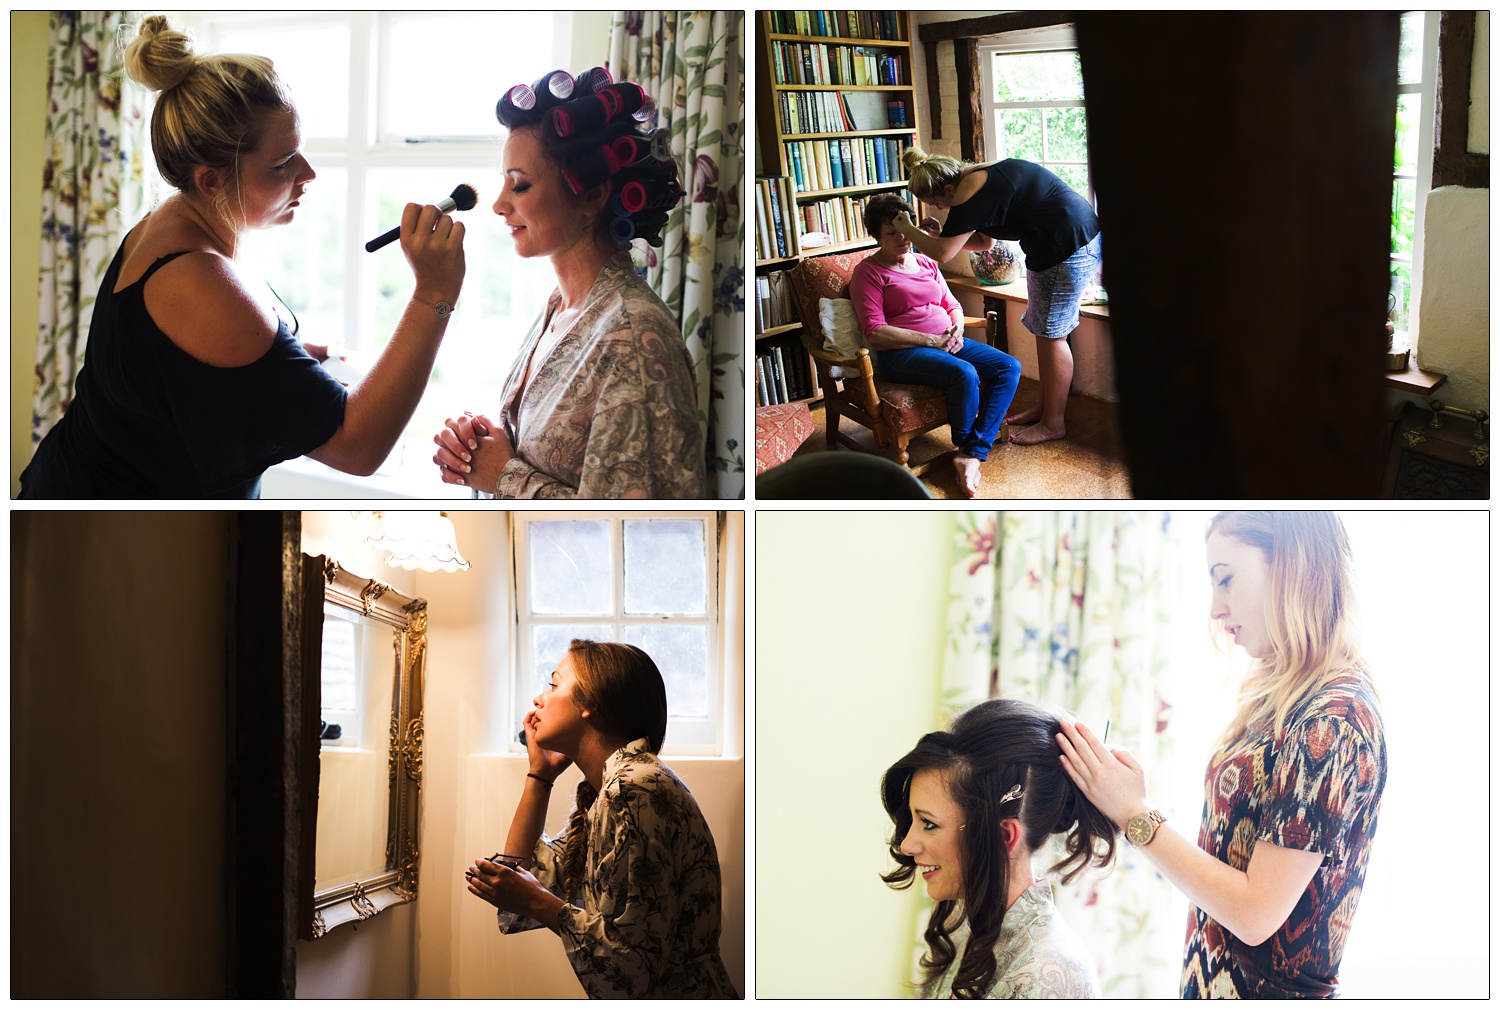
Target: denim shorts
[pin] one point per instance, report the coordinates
(1052, 296)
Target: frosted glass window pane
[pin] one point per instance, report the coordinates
(665, 571)
(570, 568)
(313, 60)
(681, 654)
(445, 72)
(549, 643)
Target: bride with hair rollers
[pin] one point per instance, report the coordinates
(1293, 788)
(601, 401)
(971, 806)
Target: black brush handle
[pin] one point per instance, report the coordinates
(380, 243)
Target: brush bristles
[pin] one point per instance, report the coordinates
(464, 197)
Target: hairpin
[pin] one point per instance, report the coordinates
(1012, 793)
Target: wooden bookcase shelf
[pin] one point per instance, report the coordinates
(772, 138)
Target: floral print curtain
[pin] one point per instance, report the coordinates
(1072, 609)
(691, 63)
(93, 189)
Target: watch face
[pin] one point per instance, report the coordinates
(443, 308)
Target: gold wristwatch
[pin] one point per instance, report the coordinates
(1141, 828)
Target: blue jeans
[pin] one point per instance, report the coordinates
(979, 382)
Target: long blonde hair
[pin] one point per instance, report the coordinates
(927, 174)
(1309, 612)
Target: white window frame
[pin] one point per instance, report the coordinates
(366, 147)
(1427, 88)
(685, 736)
(1048, 40)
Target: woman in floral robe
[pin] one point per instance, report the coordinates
(631, 886)
(601, 400)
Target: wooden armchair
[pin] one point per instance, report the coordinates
(895, 412)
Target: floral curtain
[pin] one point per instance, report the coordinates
(691, 63)
(1072, 609)
(93, 189)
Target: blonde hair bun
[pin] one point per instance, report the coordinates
(160, 57)
(913, 157)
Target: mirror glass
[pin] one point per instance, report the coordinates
(355, 747)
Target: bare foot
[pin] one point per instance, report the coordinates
(1029, 416)
(1038, 433)
(968, 474)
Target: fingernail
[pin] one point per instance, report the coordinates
(468, 458)
(473, 444)
(468, 469)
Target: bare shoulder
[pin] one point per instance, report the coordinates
(203, 305)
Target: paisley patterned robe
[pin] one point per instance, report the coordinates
(647, 918)
(1036, 957)
(611, 411)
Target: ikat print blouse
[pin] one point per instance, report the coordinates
(1036, 957)
(646, 923)
(1317, 788)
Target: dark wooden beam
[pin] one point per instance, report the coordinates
(934, 91)
(1452, 162)
(970, 107)
(992, 24)
(1232, 385)
(264, 808)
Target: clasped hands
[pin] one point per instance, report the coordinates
(472, 450)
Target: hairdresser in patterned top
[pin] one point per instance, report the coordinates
(631, 886)
(600, 402)
(1294, 784)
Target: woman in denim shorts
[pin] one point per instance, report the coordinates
(1058, 232)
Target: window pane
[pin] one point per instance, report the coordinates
(1409, 60)
(339, 694)
(549, 644)
(1067, 135)
(443, 76)
(681, 654)
(304, 261)
(314, 62)
(1403, 216)
(1408, 112)
(570, 568)
(1020, 132)
(1038, 77)
(665, 570)
(1400, 294)
(1076, 176)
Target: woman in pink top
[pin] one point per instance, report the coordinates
(916, 326)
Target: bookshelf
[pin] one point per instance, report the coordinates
(835, 108)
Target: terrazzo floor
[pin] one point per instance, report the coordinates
(1086, 464)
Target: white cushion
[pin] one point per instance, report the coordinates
(841, 333)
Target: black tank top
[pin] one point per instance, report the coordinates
(148, 420)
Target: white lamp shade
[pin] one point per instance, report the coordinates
(424, 540)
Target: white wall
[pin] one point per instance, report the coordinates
(1455, 313)
(846, 663)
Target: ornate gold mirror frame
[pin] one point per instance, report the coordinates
(324, 581)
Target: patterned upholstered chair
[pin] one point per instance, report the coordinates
(779, 430)
(895, 412)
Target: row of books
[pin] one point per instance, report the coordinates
(840, 24)
(774, 304)
(848, 161)
(816, 112)
(841, 218)
(775, 214)
(816, 63)
(782, 373)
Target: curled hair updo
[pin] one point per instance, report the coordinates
(927, 174)
(597, 131)
(989, 749)
(211, 109)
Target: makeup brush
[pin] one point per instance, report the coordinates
(463, 197)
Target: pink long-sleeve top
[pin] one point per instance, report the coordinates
(918, 301)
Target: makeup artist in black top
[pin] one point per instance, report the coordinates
(193, 383)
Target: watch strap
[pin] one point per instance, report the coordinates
(442, 309)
